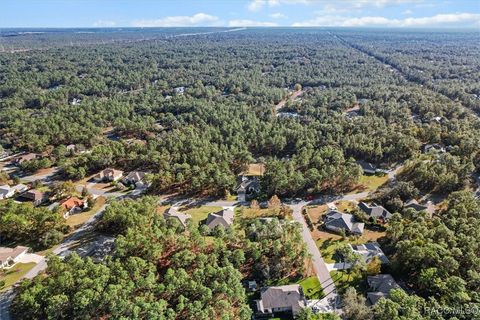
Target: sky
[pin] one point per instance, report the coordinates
(240, 13)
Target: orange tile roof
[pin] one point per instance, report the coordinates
(71, 203)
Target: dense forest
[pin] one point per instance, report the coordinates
(195, 110)
(161, 271)
(130, 117)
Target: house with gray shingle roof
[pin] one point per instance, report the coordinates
(414, 204)
(222, 218)
(337, 221)
(375, 211)
(173, 213)
(381, 285)
(367, 167)
(289, 298)
(370, 250)
(136, 178)
(247, 187)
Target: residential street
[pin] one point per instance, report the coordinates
(63, 248)
(331, 297)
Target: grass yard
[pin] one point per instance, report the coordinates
(343, 280)
(162, 209)
(254, 213)
(312, 288)
(345, 206)
(201, 213)
(231, 197)
(316, 212)
(255, 169)
(328, 243)
(12, 275)
(76, 220)
(370, 183)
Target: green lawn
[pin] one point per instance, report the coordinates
(12, 275)
(328, 247)
(311, 288)
(78, 219)
(372, 182)
(201, 213)
(343, 280)
(345, 206)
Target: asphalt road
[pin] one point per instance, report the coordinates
(63, 248)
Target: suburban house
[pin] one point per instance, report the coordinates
(375, 211)
(71, 148)
(19, 188)
(25, 157)
(337, 221)
(413, 204)
(136, 178)
(247, 187)
(287, 298)
(370, 250)
(436, 147)
(37, 197)
(380, 285)
(179, 90)
(73, 205)
(6, 192)
(10, 256)
(367, 167)
(222, 218)
(108, 174)
(251, 285)
(173, 213)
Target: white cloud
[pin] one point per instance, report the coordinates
(278, 15)
(250, 23)
(104, 24)
(376, 21)
(256, 5)
(199, 19)
(407, 12)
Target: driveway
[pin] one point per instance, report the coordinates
(331, 297)
(30, 257)
(6, 298)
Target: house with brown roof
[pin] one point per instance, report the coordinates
(72, 205)
(37, 197)
(10, 256)
(108, 175)
(289, 298)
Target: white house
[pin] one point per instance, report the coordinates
(10, 256)
(6, 192)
